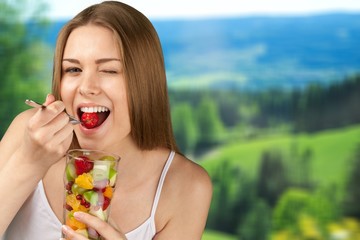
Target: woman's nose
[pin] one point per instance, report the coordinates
(89, 85)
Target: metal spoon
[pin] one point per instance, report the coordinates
(35, 104)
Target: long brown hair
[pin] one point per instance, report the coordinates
(144, 69)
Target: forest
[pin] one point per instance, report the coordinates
(205, 118)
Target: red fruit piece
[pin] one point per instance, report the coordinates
(89, 120)
(68, 207)
(83, 165)
(106, 203)
(69, 185)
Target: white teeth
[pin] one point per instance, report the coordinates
(94, 109)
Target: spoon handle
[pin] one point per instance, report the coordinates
(34, 104)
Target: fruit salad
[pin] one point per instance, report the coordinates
(89, 186)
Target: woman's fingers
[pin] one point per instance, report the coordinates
(45, 115)
(71, 234)
(48, 124)
(101, 227)
(49, 99)
(50, 136)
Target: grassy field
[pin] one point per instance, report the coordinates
(331, 152)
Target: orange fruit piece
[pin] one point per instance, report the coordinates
(85, 181)
(73, 223)
(73, 202)
(108, 192)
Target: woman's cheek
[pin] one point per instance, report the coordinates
(67, 92)
(67, 86)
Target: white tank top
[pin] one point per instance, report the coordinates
(36, 220)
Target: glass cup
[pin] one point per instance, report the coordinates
(90, 177)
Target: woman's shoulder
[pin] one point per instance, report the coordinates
(189, 173)
(22, 118)
(14, 134)
(17, 126)
(188, 181)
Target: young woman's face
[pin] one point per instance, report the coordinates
(93, 88)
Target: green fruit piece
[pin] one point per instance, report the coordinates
(101, 170)
(111, 159)
(112, 177)
(89, 195)
(77, 190)
(70, 172)
(94, 198)
(98, 212)
(108, 158)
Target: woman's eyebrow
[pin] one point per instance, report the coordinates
(71, 60)
(103, 60)
(98, 61)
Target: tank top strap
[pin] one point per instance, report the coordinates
(161, 183)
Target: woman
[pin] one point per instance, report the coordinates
(108, 59)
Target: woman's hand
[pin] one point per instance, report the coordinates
(104, 229)
(48, 134)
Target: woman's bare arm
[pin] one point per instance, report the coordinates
(35, 140)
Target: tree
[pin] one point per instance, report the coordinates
(23, 60)
(233, 197)
(352, 195)
(185, 129)
(257, 223)
(296, 205)
(300, 170)
(273, 179)
(209, 124)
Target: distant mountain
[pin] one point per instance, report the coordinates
(257, 52)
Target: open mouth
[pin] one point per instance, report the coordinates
(92, 117)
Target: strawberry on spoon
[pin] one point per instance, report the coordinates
(89, 120)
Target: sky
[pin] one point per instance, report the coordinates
(156, 9)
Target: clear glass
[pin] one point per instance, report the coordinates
(89, 178)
